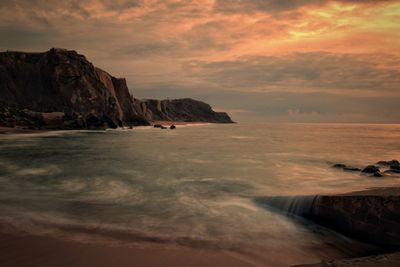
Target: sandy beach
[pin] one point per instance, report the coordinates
(35, 251)
(9, 130)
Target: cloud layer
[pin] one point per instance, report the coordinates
(234, 48)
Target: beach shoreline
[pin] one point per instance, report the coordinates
(31, 250)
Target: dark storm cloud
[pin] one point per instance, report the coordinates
(299, 71)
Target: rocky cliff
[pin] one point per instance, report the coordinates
(188, 110)
(61, 89)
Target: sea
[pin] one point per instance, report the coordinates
(195, 186)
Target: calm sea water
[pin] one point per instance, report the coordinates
(194, 186)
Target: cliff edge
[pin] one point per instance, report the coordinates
(61, 89)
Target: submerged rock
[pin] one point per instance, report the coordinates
(172, 127)
(345, 167)
(339, 165)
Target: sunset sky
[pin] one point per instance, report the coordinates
(271, 60)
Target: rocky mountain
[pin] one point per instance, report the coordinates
(61, 89)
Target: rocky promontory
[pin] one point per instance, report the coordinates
(61, 89)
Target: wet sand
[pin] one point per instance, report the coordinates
(35, 251)
(9, 130)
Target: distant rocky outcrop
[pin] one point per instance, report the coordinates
(186, 110)
(390, 167)
(61, 89)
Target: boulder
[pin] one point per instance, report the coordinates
(371, 169)
(372, 216)
(172, 127)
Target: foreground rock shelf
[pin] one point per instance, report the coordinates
(371, 216)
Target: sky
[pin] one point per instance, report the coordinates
(259, 60)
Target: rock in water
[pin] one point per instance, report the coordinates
(390, 163)
(353, 169)
(172, 127)
(36, 86)
(371, 169)
(339, 166)
(345, 167)
(372, 216)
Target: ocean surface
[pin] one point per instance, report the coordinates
(194, 186)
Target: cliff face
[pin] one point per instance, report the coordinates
(188, 110)
(60, 89)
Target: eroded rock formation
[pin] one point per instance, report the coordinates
(61, 89)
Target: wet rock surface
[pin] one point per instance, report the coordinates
(391, 167)
(371, 169)
(371, 216)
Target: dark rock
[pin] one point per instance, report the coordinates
(378, 174)
(172, 127)
(339, 166)
(351, 169)
(158, 126)
(371, 169)
(345, 167)
(395, 167)
(390, 163)
(372, 216)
